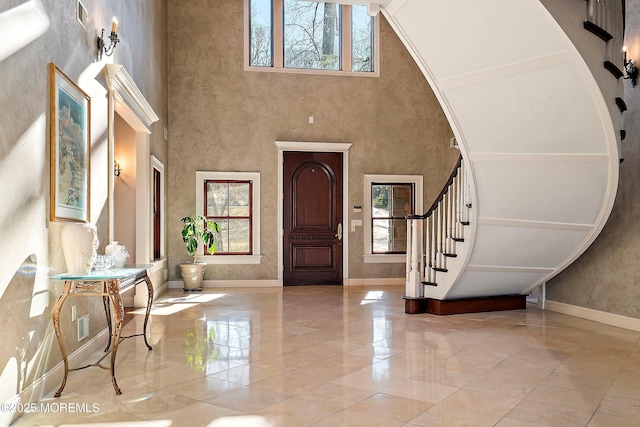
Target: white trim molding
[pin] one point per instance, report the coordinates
(128, 101)
(611, 319)
(120, 82)
(267, 283)
(397, 281)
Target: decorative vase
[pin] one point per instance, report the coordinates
(79, 246)
(192, 275)
(118, 252)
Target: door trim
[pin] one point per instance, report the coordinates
(126, 99)
(326, 147)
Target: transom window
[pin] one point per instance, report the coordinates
(306, 35)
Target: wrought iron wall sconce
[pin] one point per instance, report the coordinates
(103, 49)
(631, 68)
(116, 169)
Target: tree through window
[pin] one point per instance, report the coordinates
(229, 204)
(310, 35)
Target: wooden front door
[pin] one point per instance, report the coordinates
(312, 218)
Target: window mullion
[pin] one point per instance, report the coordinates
(278, 33)
(346, 38)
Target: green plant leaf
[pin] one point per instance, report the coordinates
(198, 229)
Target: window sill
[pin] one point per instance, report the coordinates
(385, 259)
(229, 259)
(317, 72)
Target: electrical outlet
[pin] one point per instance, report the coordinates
(73, 313)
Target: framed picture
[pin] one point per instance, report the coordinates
(70, 112)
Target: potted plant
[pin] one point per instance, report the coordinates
(196, 229)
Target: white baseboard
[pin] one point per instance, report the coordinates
(595, 315)
(158, 291)
(397, 281)
(178, 284)
(52, 379)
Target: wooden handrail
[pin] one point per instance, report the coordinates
(444, 190)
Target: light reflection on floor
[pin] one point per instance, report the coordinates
(332, 356)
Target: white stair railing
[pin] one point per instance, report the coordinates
(442, 226)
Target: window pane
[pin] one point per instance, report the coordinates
(389, 235)
(399, 236)
(380, 201)
(217, 199)
(311, 35)
(239, 199)
(260, 25)
(361, 39)
(381, 235)
(222, 238)
(401, 201)
(239, 235)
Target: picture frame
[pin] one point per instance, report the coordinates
(70, 145)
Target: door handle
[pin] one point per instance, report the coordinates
(339, 234)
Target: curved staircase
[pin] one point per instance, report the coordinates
(537, 128)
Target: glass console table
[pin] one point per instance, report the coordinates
(108, 284)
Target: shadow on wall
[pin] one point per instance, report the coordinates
(27, 335)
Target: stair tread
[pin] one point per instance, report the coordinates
(613, 69)
(597, 30)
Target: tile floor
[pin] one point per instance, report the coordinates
(333, 356)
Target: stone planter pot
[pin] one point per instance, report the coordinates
(192, 275)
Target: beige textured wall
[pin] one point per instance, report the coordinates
(223, 118)
(607, 276)
(30, 249)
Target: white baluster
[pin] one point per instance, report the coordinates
(414, 275)
(408, 261)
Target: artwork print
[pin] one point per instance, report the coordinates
(70, 149)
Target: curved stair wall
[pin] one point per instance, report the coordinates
(539, 139)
